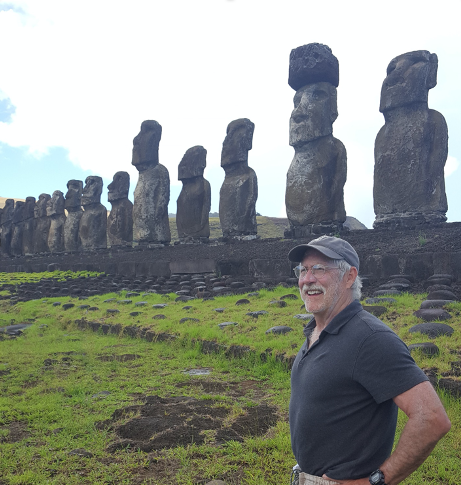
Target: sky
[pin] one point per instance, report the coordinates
(78, 78)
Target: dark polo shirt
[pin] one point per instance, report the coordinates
(342, 416)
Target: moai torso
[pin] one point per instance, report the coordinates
(239, 191)
(7, 226)
(93, 223)
(411, 148)
(73, 205)
(55, 212)
(314, 194)
(152, 193)
(41, 224)
(194, 201)
(28, 232)
(17, 228)
(120, 220)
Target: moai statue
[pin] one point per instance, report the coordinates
(7, 226)
(314, 196)
(120, 220)
(17, 228)
(194, 201)
(55, 211)
(28, 230)
(239, 191)
(73, 205)
(152, 193)
(41, 224)
(92, 230)
(411, 148)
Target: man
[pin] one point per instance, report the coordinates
(349, 379)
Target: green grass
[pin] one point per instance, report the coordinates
(42, 399)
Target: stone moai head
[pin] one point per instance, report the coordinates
(145, 145)
(29, 207)
(193, 163)
(55, 206)
(18, 212)
(40, 205)
(92, 191)
(74, 194)
(238, 142)
(119, 187)
(7, 213)
(409, 78)
(314, 74)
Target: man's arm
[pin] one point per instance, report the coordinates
(427, 423)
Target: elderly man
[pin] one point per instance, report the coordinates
(349, 379)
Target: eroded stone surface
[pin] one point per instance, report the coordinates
(73, 205)
(120, 220)
(93, 223)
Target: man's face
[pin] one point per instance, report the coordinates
(321, 295)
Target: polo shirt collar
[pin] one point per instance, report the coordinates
(338, 321)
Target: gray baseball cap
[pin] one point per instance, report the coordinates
(331, 247)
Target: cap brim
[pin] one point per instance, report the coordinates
(297, 254)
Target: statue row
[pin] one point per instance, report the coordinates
(78, 220)
(411, 148)
(409, 188)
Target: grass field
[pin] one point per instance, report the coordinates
(59, 383)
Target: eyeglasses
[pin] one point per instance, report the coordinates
(318, 270)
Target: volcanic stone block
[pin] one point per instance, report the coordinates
(194, 201)
(73, 205)
(432, 329)
(41, 224)
(427, 348)
(239, 191)
(411, 148)
(55, 211)
(92, 230)
(28, 231)
(429, 314)
(120, 220)
(314, 194)
(17, 228)
(312, 63)
(152, 193)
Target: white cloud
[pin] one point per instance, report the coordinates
(451, 166)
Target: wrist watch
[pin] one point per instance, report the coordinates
(377, 478)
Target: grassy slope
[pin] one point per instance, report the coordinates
(44, 400)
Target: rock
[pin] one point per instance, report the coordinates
(135, 314)
(441, 295)
(432, 329)
(187, 307)
(101, 394)
(159, 317)
(57, 303)
(93, 309)
(279, 329)
(239, 191)
(254, 293)
(427, 348)
(429, 314)
(320, 159)
(279, 303)
(112, 310)
(184, 298)
(194, 201)
(377, 311)
(373, 301)
(92, 230)
(219, 310)
(152, 193)
(66, 306)
(411, 148)
(17, 228)
(73, 205)
(83, 307)
(434, 303)
(387, 292)
(125, 302)
(242, 301)
(120, 220)
(188, 319)
(41, 224)
(441, 275)
(445, 282)
(28, 226)
(160, 305)
(289, 297)
(304, 316)
(257, 314)
(140, 303)
(394, 286)
(354, 224)
(226, 324)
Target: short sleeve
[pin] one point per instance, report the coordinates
(385, 367)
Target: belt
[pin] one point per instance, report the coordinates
(306, 479)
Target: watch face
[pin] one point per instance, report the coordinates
(375, 477)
